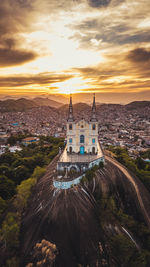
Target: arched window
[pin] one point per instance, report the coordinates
(82, 139)
(70, 126)
(93, 150)
(70, 140)
(93, 127)
(93, 140)
(70, 149)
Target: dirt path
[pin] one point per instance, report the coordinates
(135, 185)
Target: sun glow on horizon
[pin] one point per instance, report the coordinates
(74, 85)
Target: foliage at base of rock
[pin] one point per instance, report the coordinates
(44, 254)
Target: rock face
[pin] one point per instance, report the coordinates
(69, 218)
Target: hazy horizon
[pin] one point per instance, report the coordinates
(84, 97)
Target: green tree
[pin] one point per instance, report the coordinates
(3, 205)
(6, 170)
(101, 164)
(21, 173)
(39, 160)
(12, 140)
(125, 253)
(12, 262)
(9, 233)
(7, 158)
(7, 187)
(141, 164)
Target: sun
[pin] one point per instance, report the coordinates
(72, 86)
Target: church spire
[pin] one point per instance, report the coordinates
(93, 115)
(70, 113)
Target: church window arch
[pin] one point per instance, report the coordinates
(70, 126)
(93, 140)
(82, 138)
(93, 126)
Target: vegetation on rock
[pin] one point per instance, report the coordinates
(19, 172)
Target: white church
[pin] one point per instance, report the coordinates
(82, 150)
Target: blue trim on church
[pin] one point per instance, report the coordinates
(81, 150)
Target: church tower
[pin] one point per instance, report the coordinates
(93, 125)
(83, 149)
(82, 136)
(93, 115)
(70, 113)
(70, 128)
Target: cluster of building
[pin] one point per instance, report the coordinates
(132, 134)
(116, 126)
(44, 121)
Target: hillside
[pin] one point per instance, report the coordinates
(47, 102)
(21, 104)
(24, 104)
(138, 105)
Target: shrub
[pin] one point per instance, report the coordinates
(101, 164)
(38, 172)
(23, 193)
(24, 189)
(7, 187)
(125, 253)
(3, 205)
(12, 262)
(9, 233)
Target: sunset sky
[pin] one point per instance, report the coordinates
(72, 46)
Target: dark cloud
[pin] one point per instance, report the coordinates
(99, 3)
(139, 55)
(40, 79)
(15, 18)
(123, 70)
(10, 57)
(108, 33)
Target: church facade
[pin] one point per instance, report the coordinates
(82, 150)
(82, 136)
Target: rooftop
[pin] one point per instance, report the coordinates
(30, 139)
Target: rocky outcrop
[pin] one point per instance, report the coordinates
(69, 218)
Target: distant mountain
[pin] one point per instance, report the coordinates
(59, 98)
(138, 104)
(22, 104)
(16, 105)
(77, 107)
(40, 101)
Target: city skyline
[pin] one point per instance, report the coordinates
(86, 46)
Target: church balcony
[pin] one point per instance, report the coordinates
(67, 157)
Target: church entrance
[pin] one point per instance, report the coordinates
(93, 150)
(82, 150)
